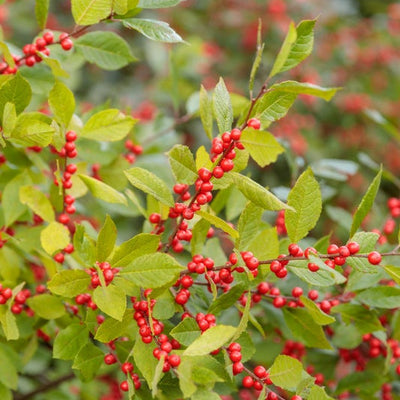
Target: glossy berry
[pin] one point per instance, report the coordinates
(205, 174)
(254, 123)
(124, 386)
(374, 257)
(237, 368)
(127, 367)
(235, 356)
(110, 359)
(155, 218)
(260, 372)
(174, 360)
(297, 291)
(313, 294)
(67, 44)
(248, 382)
(353, 247)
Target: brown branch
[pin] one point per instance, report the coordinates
(44, 388)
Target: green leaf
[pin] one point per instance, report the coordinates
(31, 130)
(12, 207)
(89, 12)
(55, 66)
(155, 30)
(158, 372)
(62, 103)
(102, 191)
(303, 327)
(4, 49)
(226, 300)
(218, 223)
(111, 328)
(9, 119)
(85, 246)
(108, 125)
(9, 324)
(5, 392)
(17, 91)
(37, 202)
(283, 54)
(222, 107)
(256, 193)
(69, 283)
(144, 359)
(54, 237)
(380, 297)
(47, 306)
(69, 341)
(306, 200)
(286, 372)
(158, 3)
(135, 247)
(296, 47)
(199, 235)
(337, 276)
(203, 158)
(41, 11)
(88, 361)
(318, 393)
(150, 184)
(106, 239)
(206, 112)
(367, 242)
(249, 225)
(365, 321)
(366, 203)
(304, 88)
(320, 278)
(394, 272)
(105, 49)
(8, 369)
(182, 163)
(316, 313)
(186, 332)
(264, 149)
(210, 340)
(111, 300)
(274, 106)
(152, 270)
(246, 316)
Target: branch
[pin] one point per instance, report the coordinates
(44, 388)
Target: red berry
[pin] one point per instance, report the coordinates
(297, 291)
(260, 372)
(313, 294)
(226, 165)
(248, 382)
(333, 249)
(263, 288)
(296, 397)
(235, 356)
(110, 359)
(48, 37)
(71, 168)
(126, 367)
(279, 302)
(218, 172)
(124, 386)
(155, 218)
(353, 247)
(234, 346)
(374, 258)
(71, 136)
(59, 257)
(237, 368)
(204, 174)
(235, 134)
(174, 360)
(313, 267)
(63, 218)
(254, 123)
(67, 44)
(40, 43)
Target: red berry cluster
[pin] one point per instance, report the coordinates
(19, 302)
(32, 52)
(127, 368)
(225, 146)
(60, 257)
(108, 274)
(235, 355)
(280, 223)
(148, 333)
(5, 294)
(251, 262)
(133, 151)
(205, 321)
(394, 207)
(85, 299)
(254, 123)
